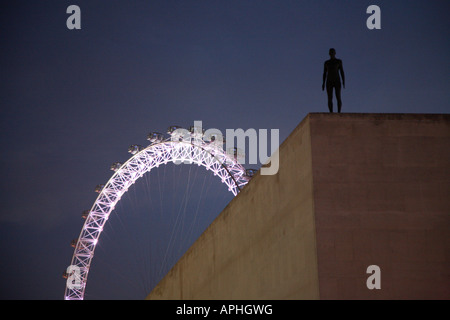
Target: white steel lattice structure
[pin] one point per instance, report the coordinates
(182, 147)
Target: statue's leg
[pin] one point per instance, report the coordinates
(330, 97)
(338, 97)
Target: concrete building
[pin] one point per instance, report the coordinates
(353, 190)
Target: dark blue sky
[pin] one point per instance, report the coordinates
(72, 101)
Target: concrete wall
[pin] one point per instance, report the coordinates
(353, 190)
(262, 246)
(382, 196)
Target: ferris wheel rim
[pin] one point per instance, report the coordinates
(211, 156)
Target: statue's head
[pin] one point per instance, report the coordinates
(332, 52)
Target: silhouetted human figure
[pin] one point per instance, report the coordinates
(331, 71)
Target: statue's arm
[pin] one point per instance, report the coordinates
(324, 77)
(341, 70)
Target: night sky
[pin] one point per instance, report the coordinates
(73, 101)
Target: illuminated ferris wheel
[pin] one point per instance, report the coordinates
(182, 146)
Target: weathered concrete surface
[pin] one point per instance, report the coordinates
(353, 190)
(262, 246)
(382, 196)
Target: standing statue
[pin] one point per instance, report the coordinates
(332, 73)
